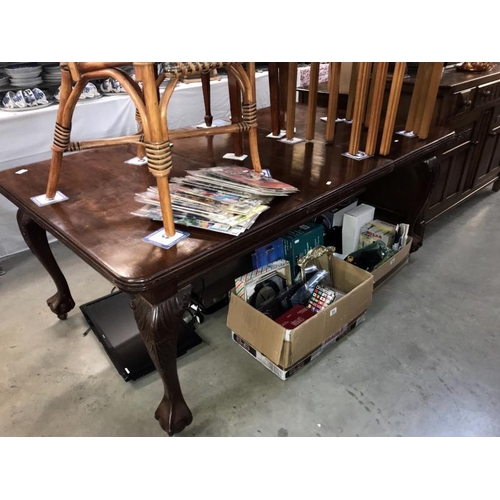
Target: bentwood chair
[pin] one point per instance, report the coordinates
(153, 137)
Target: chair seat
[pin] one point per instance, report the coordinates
(181, 69)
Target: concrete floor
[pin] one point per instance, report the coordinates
(425, 362)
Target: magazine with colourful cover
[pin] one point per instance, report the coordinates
(249, 177)
(212, 183)
(215, 200)
(205, 179)
(190, 220)
(222, 199)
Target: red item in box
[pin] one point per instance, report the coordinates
(295, 317)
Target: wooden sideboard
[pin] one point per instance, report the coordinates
(468, 103)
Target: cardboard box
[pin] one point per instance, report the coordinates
(354, 220)
(393, 265)
(298, 242)
(285, 347)
(284, 374)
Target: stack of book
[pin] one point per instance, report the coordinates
(222, 199)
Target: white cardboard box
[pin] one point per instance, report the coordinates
(354, 220)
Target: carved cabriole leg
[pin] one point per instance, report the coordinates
(159, 326)
(36, 239)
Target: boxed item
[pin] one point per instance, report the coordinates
(245, 285)
(377, 230)
(267, 253)
(284, 374)
(332, 223)
(335, 216)
(294, 317)
(353, 221)
(285, 347)
(365, 240)
(393, 265)
(298, 242)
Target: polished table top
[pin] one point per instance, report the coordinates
(95, 222)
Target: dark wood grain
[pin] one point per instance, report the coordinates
(61, 303)
(96, 223)
(159, 326)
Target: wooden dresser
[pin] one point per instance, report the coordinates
(469, 103)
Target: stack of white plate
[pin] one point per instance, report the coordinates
(52, 75)
(4, 79)
(24, 75)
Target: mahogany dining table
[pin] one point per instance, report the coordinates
(95, 222)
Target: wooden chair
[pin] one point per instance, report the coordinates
(153, 137)
(370, 112)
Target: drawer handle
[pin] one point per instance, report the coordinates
(493, 134)
(467, 103)
(485, 93)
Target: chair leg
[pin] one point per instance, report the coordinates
(274, 95)
(235, 106)
(205, 84)
(283, 92)
(156, 142)
(61, 134)
(290, 102)
(249, 114)
(141, 151)
(312, 101)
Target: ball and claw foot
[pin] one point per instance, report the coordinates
(60, 305)
(173, 424)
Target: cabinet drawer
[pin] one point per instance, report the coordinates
(461, 102)
(487, 93)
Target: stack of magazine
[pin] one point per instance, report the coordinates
(222, 199)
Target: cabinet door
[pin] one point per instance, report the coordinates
(454, 168)
(487, 163)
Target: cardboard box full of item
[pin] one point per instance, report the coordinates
(285, 347)
(392, 266)
(283, 373)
